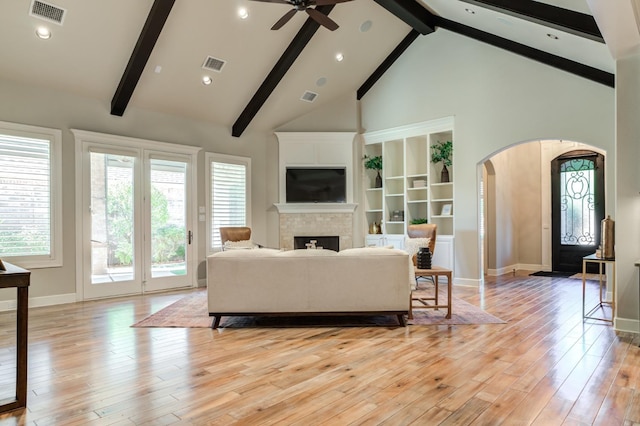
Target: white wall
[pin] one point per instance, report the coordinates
(498, 99)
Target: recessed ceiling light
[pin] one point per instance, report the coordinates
(243, 13)
(43, 33)
(158, 69)
(339, 57)
(552, 36)
(470, 11)
(206, 80)
(366, 26)
(321, 81)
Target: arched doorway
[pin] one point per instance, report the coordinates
(515, 205)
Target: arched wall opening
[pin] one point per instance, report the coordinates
(515, 205)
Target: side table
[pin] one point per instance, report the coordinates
(16, 277)
(435, 272)
(600, 261)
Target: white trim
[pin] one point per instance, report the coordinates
(36, 302)
(410, 130)
(468, 282)
(54, 136)
(627, 324)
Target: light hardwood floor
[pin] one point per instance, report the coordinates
(544, 367)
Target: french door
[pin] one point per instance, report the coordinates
(136, 220)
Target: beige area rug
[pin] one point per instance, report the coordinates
(191, 312)
(590, 277)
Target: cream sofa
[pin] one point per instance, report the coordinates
(309, 282)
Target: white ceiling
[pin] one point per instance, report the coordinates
(89, 52)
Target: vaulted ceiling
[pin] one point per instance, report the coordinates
(149, 54)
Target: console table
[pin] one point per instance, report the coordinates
(600, 261)
(16, 277)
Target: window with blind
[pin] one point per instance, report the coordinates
(228, 194)
(30, 208)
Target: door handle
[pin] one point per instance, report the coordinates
(189, 237)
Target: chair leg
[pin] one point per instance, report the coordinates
(410, 316)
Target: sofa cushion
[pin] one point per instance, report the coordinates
(262, 252)
(370, 251)
(239, 245)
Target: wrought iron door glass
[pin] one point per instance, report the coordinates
(577, 202)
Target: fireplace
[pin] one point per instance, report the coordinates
(326, 242)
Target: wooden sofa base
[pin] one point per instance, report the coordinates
(218, 316)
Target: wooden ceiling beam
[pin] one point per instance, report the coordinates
(386, 64)
(142, 51)
(279, 70)
(565, 20)
(412, 13)
(564, 64)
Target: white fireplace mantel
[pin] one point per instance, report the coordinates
(296, 208)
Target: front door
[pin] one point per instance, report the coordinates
(577, 208)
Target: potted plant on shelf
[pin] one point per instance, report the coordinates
(374, 163)
(419, 221)
(441, 153)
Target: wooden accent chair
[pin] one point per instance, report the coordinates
(234, 233)
(423, 230)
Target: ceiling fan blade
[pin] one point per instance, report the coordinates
(274, 1)
(285, 18)
(329, 2)
(322, 19)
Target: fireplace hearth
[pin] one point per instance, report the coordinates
(326, 242)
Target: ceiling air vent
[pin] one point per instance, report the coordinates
(213, 64)
(309, 96)
(47, 11)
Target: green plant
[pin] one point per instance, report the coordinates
(373, 163)
(418, 220)
(441, 152)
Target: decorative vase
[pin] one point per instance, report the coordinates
(444, 175)
(423, 258)
(378, 180)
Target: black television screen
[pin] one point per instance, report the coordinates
(316, 185)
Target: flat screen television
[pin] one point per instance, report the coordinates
(316, 185)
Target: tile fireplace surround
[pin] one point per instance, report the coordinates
(318, 224)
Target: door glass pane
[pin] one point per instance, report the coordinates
(168, 218)
(577, 216)
(111, 218)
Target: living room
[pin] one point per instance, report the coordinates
(497, 100)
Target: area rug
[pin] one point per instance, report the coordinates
(191, 312)
(551, 274)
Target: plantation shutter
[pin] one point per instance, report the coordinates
(229, 197)
(25, 196)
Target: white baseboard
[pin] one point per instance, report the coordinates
(517, 267)
(627, 324)
(202, 282)
(35, 302)
(467, 282)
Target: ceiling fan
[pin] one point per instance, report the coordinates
(305, 5)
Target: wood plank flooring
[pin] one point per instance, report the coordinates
(544, 367)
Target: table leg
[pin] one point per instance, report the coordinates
(449, 287)
(584, 285)
(22, 346)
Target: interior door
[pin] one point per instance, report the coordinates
(577, 207)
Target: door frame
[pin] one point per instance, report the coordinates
(599, 207)
(551, 149)
(84, 138)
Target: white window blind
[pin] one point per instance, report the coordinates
(25, 197)
(229, 196)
